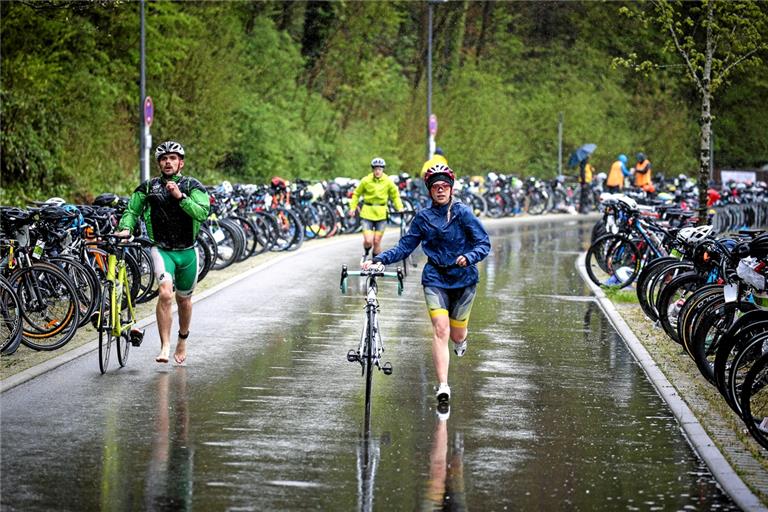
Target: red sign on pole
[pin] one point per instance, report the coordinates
(149, 111)
(433, 124)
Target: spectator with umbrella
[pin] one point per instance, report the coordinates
(580, 157)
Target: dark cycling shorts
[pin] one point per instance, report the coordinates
(375, 226)
(178, 266)
(455, 303)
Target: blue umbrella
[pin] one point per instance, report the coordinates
(580, 154)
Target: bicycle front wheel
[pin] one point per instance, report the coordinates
(49, 306)
(613, 261)
(106, 323)
(754, 401)
(370, 343)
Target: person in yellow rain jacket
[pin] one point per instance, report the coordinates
(642, 171)
(438, 158)
(616, 175)
(375, 189)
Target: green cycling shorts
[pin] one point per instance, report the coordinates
(179, 266)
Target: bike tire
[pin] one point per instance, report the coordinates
(714, 322)
(674, 295)
(86, 283)
(646, 281)
(369, 361)
(746, 357)
(754, 401)
(743, 329)
(106, 321)
(10, 318)
(613, 261)
(49, 326)
(123, 348)
(147, 286)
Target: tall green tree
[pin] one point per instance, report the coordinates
(714, 39)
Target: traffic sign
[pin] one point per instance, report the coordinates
(433, 124)
(149, 111)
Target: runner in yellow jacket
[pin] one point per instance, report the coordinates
(375, 189)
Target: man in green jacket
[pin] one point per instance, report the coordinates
(376, 189)
(173, 207)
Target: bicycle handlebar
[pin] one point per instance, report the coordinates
(370, 273)
(113, 240)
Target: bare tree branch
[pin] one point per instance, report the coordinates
(688, 63)
(737, 61)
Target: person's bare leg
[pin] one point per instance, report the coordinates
(164, 320)
(185, 319)
(458, 334)
(440, 351)
(377, 242)
(367, 241)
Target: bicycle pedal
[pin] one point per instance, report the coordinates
(352, 356)
(137, 336)
(387, 368)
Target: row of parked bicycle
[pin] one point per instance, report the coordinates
(55, 257)
(705, 286)
(245, 220)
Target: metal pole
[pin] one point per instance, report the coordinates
(560, 144)
(429, 76)
(143, 162)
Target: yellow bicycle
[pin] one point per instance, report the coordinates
(116, 317)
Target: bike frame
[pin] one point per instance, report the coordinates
(117, 274)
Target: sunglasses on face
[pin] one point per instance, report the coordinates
(437, 187)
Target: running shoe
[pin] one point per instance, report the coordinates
(443, 393)
(460, 348)
(443, 411)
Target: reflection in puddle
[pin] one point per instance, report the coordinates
(445, 486)
(168, 483)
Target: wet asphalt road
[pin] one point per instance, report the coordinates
(549, 409)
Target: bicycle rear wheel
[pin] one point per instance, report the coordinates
(106, 320)
(10, 318)
(123, 347)
(754, 401)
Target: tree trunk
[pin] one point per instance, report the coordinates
(484, 30)
(704, 154)
(706, 120)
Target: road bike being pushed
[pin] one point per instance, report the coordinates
(371, 348)
(116, 318)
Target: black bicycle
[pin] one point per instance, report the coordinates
(371, 347)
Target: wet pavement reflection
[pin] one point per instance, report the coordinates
(549, 409)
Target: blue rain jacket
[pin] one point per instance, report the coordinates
(443, 242)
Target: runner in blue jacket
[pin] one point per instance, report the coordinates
(454, 241)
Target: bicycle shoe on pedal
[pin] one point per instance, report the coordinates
(137, 336)
(443, 393)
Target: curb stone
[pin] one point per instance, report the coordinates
(721, 469)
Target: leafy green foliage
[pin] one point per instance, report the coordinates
(316, 89)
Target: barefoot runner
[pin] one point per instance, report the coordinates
(173, 207)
